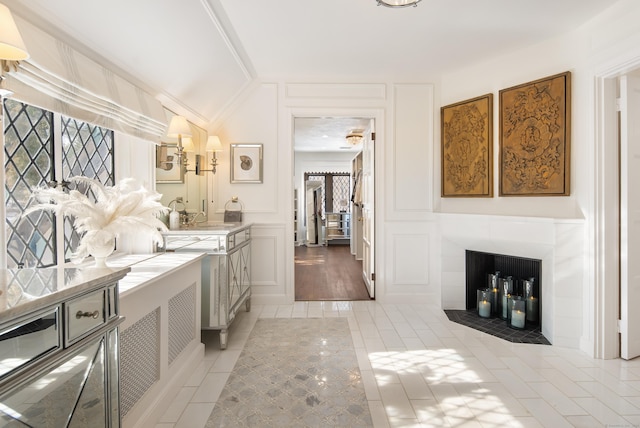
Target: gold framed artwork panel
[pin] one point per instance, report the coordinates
(535, 137)
(467, 148)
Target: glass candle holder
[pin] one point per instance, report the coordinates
(484, 303)
(505, 289)
(495, 298)
(518, 313)
(532, 309)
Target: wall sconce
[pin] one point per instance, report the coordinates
(12, 48)
(213, 145)
(179, 128)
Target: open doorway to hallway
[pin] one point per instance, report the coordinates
(328, 272)
(333, 255)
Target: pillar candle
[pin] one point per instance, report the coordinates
(484, 309)
(517, 318)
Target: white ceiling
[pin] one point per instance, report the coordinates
(197, 56)
(327, 134)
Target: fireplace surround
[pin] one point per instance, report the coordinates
(558, 243)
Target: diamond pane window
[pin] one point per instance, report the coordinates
(336, 191)
(28, 164)
(341, 193)
(87, 150)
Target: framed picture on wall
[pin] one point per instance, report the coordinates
(535, 135)
(246, 163)
(168, 165)
(467, 148)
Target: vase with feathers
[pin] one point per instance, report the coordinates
(125, 208)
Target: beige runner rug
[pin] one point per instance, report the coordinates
(299, 372)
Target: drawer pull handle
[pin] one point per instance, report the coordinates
(95, 314)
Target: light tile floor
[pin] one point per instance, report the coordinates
(421, 370)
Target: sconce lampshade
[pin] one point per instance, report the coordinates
(179, 127)
(213, 144)
(187, 145)
(12, 47)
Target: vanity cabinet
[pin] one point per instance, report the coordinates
(226, 271)
(59, 348)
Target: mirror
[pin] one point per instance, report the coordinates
(171, 182)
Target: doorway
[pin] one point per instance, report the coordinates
(616, 289)
(331, 265)
(629, 140)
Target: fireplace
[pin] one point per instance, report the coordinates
(524, 272)
(559, 245)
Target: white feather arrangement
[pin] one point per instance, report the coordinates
(126, 208)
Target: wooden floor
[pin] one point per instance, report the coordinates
(328, 273)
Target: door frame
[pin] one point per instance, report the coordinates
(377, 114)
(605, 303)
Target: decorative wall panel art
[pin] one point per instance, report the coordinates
(467, 142)
(535, 137)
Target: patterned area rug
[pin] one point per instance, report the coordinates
(301, 373)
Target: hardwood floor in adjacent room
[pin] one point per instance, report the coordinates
(328, 273)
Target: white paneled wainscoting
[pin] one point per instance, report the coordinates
(558, 243)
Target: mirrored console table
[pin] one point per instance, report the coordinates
(226, 271)
(59, 347)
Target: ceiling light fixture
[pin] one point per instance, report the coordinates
(354, 137)
(398, 3)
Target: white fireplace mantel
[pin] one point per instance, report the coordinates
(559, 243)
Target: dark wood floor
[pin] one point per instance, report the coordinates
(328, 273)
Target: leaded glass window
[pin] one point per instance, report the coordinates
(30, 162)
(336, 191)
(28, 152)
(87, 150)
(341, 192)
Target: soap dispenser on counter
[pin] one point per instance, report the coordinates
(174, 219)
(174, 215)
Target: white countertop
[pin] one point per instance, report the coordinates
(208, 228)
(26, 290)
(146, 268)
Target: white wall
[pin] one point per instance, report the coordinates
(403, 115)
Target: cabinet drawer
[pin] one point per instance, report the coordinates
(235, 239)
(83, 315)
(29, 340)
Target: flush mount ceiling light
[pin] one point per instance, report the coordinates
(398, 3)
(354, 137)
